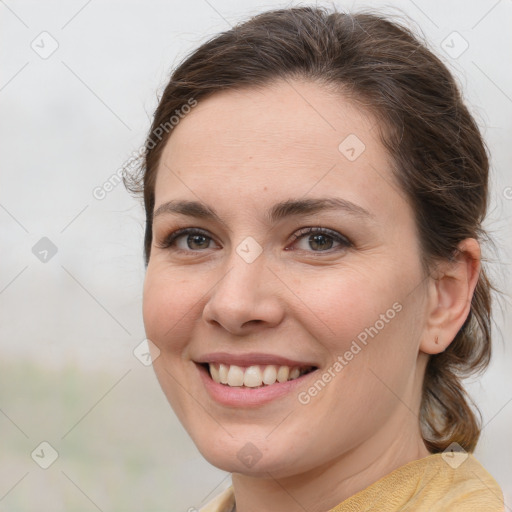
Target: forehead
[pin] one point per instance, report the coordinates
(288, 138)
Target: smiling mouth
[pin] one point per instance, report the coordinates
(255, 376)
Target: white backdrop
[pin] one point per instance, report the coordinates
(78, 86)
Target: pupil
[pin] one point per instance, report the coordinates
(195, 238)
(318, 239)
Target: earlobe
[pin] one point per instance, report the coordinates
(435, 345)
(450, 295)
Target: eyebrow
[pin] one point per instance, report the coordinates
(281, 210)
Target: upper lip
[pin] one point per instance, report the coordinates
(251, 358)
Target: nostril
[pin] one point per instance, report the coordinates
(253, 322)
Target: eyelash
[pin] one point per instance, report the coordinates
(170, 240)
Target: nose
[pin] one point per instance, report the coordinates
(246, 297)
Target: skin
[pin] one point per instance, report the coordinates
(240, 152)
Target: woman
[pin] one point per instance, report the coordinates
(314, 190)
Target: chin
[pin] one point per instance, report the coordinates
(251, 455)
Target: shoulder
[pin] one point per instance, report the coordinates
(437, 483)
(434, 484)
(470, 487)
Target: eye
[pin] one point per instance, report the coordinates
(321, 239)
(186, 240)
(190, 240)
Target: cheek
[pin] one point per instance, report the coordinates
(168, 300)
(365, 328)
(367, 323)
(341, 305)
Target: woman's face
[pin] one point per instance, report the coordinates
(258, 289)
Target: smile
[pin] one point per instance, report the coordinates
(254, 379)
(254, 376)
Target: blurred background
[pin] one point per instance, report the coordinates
(79, 83)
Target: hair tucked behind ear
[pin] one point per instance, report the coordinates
(445, 413)
(439, 157)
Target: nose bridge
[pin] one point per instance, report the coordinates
(240, 296)
(242, 281)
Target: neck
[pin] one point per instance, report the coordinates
(323, 488)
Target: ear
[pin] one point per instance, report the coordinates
(449, 296)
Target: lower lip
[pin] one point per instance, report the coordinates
(248, 397)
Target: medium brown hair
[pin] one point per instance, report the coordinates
(439, 158)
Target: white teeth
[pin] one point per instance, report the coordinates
(294, 373)
(254, 376)
(283, 374)
(235, 376)
(223, 373)
(214, 371)
(269, 375)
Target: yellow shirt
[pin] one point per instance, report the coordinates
(432, 484)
